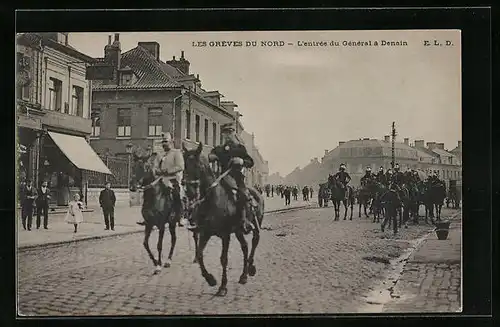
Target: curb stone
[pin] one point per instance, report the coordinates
(89, 238)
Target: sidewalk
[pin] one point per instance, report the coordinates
(93, 227)
(431, 279)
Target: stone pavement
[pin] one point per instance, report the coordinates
(306, 263)
(93, 225)
(431, 279)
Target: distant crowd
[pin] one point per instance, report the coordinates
(286, 192)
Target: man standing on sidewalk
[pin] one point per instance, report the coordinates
(42, 206)
(28, 195)
(107, 201)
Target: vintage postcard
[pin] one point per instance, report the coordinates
(209, 173)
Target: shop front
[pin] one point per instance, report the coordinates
(64, 162)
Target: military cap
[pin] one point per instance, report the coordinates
(166, 137)
(228, 127)
(368, 169)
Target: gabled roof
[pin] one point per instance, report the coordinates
(151, 74)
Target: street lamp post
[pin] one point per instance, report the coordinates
(129, 148)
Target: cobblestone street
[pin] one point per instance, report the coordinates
(306, 263)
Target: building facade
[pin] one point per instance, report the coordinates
(53, 114)
(147, 97)
(258, 174)
(374, 153)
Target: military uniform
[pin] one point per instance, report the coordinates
(367, 178)
(380, 177)
(225, 155)
(343, 176)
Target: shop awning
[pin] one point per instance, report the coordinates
(79, 152)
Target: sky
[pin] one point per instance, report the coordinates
(302, 100)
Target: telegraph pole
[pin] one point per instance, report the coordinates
(393, 140)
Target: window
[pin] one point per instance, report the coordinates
(214, 134)
(206, 131)
(55, 94)
(96, 124)
(23, 86)
(123, 122)
(77, 101)
(188, 124)
(154, 121)
(197, 128)
(125, 78)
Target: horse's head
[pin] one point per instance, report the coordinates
(143, 170)
(196, 169)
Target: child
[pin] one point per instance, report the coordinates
(74, 215)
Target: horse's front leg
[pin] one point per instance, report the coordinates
(223, 260)
(244, 249)
(173, 241)
(255, 241)
(345, 208)
(159, 246)
(204, 237)
(147, 234)
(360, 204)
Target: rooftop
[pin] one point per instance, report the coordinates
(151, 73)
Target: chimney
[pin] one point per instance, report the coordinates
(419, 144)
(112, 54)
(407, 141)
(326, 152)
(387, 138)
(182, 64)
(431, 145)
(460, 144)
(440, 146)
(198, 76)
(152, 47)
(341, 142)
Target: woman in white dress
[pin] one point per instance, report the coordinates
(74, 215)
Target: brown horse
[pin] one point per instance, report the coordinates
(218, 208)
(157, 207)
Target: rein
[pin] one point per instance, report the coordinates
(214, 184)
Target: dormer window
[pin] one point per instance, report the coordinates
(126, 78)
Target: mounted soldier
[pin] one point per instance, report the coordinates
(169, 169)
(343, 176)
(368, 178)
(388, 177)
(398, 178)
(380, 177)
(233, 157)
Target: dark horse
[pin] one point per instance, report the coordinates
(365, 197)
(157, 208)
(219, 216)
(340, 194)
(435, 195)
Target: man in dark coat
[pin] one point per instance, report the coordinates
(381, 178)
(107, 201)
(233, 156)
(28, 195)
(343, 176)
(368, 178)
(42, 205)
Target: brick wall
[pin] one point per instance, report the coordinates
(122, 197)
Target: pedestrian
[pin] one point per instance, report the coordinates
(42, 205)
(28, 195)
(107, 201)
(74, 215)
